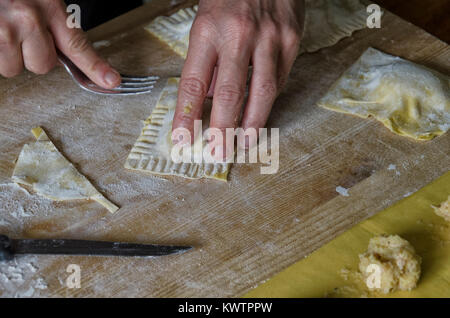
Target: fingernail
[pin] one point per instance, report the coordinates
(111, 78)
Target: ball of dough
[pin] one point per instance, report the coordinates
(390, 264)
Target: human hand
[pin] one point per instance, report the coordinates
(232, 34)
(29, 32)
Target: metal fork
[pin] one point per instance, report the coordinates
(131, 85)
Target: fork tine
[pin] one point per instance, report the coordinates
(122, 88)
(138, 78)
(117, 93)
(131, 93)
(131, 89)
(137, 84)
(132, 85)
(122, 94)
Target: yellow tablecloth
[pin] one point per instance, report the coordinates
(331, 271)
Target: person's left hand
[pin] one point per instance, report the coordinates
(232, 34)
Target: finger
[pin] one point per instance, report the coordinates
(74, 44)
(229, 96)
(263, 86)
(11, 62)
(290, 47)
(38, 50)
(230, 88)
(195, 81)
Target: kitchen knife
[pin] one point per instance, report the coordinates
(10, 247)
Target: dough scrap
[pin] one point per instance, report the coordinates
(443, 210)
(174, 30)
(326, 23)
(41, 166)
(152, 150)
(397, 261)
(409, 99)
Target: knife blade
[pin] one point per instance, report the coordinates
(10, 247)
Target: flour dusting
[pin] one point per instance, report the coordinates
(342, 191)
(19, 278)
(17, 207)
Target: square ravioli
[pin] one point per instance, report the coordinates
(409, 99)
(152, 151)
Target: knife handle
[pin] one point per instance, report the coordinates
(6, 253)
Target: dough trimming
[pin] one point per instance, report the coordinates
(396, 262)
(41, 166)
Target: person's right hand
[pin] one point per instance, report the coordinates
(29, 32)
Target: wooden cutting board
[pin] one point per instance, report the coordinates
(244, 231)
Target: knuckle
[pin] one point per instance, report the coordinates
(203, 29)
(78, 43)
(203, 22)
(292, 38)
(240, 28)
(270, 30)
(6, 35)
(52, 2)
(194, 87)
(184, 119)
(230, 94)
(241, 21)
(28, 14)
(53, 6)
(267, 89)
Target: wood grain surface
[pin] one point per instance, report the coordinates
(244, 231)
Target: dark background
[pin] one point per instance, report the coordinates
(95, 12)
(431, 15)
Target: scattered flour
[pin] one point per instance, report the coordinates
(394, 168)
(342, 191)
(100, 44)
(19, 278)
(17, 206)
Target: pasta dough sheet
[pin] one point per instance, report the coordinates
(329, 21)
(326, 23)
(41, 166)
(174, 30)
(409, 99)
(152, 150)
